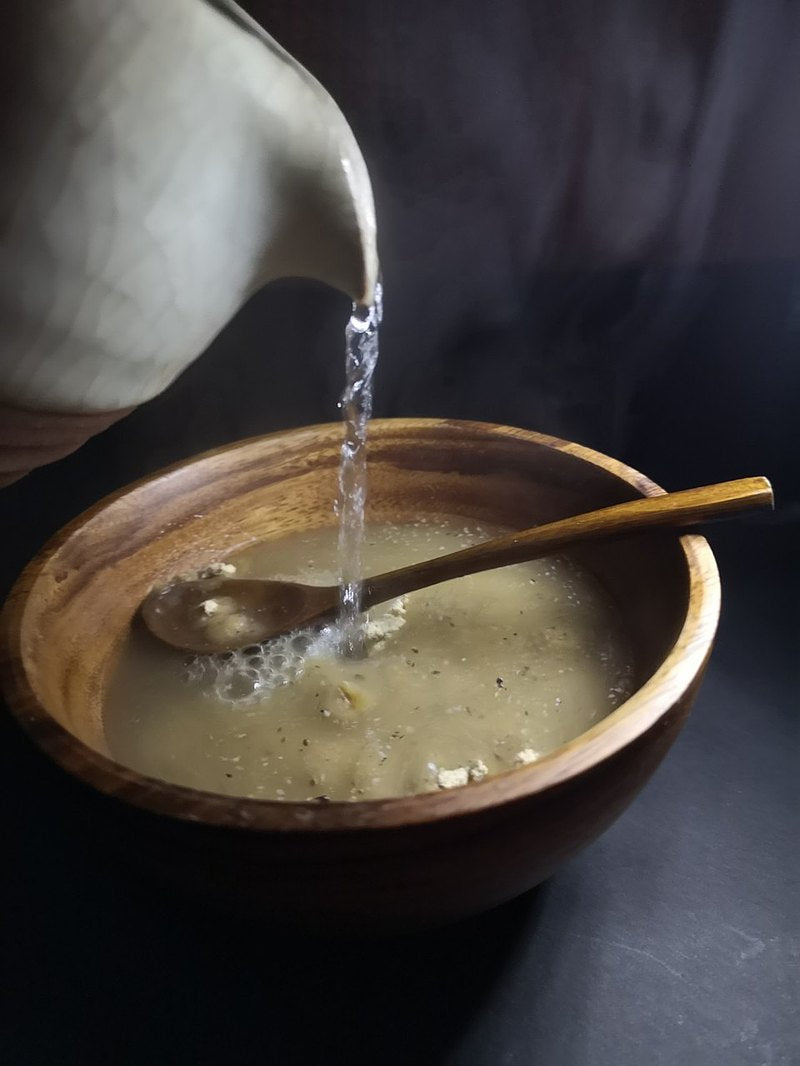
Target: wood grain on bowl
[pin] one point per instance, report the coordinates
(398, 862)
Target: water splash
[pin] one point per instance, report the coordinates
(360, 359)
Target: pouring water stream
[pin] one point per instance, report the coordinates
(356, 404)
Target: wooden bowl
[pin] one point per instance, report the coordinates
(389, 863)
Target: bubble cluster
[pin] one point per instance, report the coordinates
(246, 675)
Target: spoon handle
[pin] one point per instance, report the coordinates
(672, 509)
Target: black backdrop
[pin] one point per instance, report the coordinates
(589, 225)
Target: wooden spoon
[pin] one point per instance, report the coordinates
(220, 614)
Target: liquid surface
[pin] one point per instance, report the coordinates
(469, 677)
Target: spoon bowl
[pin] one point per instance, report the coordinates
(212, 615)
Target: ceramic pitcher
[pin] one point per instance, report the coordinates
(160, 163)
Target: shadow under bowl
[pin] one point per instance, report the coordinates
(389, 864)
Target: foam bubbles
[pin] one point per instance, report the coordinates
(249, 674)
(246, 675)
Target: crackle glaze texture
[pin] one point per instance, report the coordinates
(161, 162)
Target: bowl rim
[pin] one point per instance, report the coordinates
(679, 671)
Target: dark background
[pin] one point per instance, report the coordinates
(589, 223)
